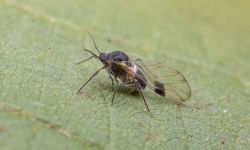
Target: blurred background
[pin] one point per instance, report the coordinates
(41, 40)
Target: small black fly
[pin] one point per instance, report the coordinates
(172, 84)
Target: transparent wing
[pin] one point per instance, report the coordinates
(172, 81)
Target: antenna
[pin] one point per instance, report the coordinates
(94, 43)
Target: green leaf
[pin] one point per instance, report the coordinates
(41, 40)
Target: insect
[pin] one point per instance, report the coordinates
(134, 73)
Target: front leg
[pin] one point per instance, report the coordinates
(92, 76)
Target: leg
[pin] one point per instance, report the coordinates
(93, 75)
(112, 80)
(117, 82)
(144, 100)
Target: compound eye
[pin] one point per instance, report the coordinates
(103, 57)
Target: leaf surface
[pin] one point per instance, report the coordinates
(41, 40)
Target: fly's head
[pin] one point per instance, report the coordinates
(104, 58)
